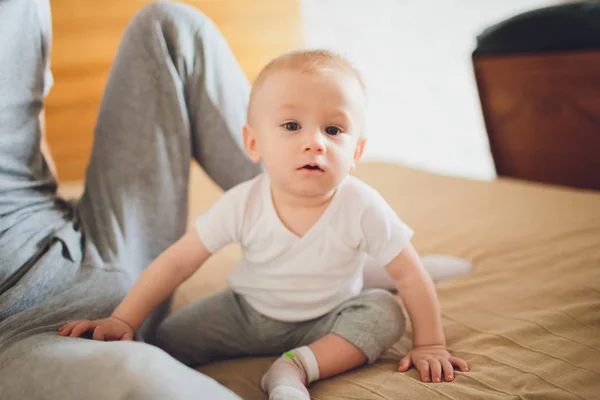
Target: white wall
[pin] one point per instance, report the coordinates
(415, 58)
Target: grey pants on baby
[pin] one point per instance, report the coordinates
(175, 92)
(225, 325)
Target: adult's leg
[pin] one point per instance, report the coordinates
(37, 363)
(175, 92)
(73, 368)
(43, 281)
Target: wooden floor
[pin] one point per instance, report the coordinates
(86, 36)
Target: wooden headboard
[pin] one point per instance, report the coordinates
(542, 114)
(86, 37)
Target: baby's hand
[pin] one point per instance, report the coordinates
(430, 361)
(106, 329)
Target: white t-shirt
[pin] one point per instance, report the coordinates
(291, 278)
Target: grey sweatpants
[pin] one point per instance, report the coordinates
(175, 92)
(225, 325)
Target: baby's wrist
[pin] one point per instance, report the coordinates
(123, 320)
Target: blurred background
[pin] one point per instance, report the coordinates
(86, 37)
(415, 57)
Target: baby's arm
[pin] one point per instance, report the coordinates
(415, 287)
(155, 284)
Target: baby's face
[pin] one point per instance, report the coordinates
(307, 129)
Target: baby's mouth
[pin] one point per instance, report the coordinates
(312, 167)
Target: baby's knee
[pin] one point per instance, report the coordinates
(387, 315)
(372, 322)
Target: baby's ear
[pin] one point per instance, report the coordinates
(358, 151)
(249, 136)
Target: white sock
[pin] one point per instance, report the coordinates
(440, 267)
(289, 374)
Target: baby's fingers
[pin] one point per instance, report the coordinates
(82, 327)
(66, 329)
(436, 370)
(423, 367)
(405, 363)
(98, 333)
(460, 363)
(448, 370)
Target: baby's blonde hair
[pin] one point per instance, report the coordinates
(317, 60)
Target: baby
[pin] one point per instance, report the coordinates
(306, 227)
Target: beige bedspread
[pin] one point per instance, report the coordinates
(527, 319)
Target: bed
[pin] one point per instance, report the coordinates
(527, 319)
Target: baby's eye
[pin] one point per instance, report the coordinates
(332, 130)
(291, 126)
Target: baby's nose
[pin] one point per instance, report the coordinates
(315, 142)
